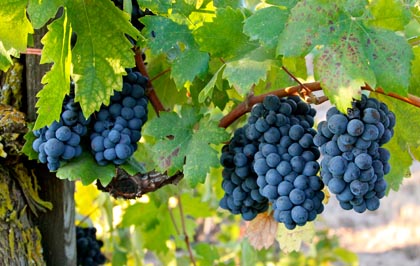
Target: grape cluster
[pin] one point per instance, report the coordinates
(61, 140)
(286, 161)
(242, 194)
(354, 163)
(116, 128)
(88, 247)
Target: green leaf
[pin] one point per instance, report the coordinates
(249, 256)
(193, 206)
(188, 65)
(41, 11)
(56, 50)
(223, 37)
(132, 166)
(207, 91)
(87, 170)
(15, 26)
(102, 51)
(189, 143)
(389, 14)
(390, 64)
(291, 240)
(249, 70)
(309, 24)
(342, 67)
(5, 59)
(156, 6)
(414, 87)
(283, 3)
(206, 253)
(166, 36)
(227, 3)
(266, 25)
(356, 8)
(27, 147)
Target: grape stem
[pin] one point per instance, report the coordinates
(151, 93)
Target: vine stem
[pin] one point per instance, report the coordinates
(184, 231)
(154, 99)
(246, 106)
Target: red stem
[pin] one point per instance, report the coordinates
(154, 99)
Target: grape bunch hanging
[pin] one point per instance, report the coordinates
(273, 159)
(111, 134)
(279, 156)
(354, 163)
(88, 247)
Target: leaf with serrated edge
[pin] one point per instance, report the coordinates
(390, 64)
(207, 91)
(189, 143)
(262, 231)
(5, 59)
(266, 25)
(41, 11)
(291, 240)
(102, 51)
(308, 25)
(342, 67)
(27, 147)
(87, 170)
(15, 26)
(56, 50)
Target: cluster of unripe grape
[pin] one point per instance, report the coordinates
(113, 131)
(273, 159)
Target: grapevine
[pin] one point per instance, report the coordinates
(88, 247)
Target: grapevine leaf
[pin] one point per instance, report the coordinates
(188, 65)
(291, 240)
(87, 170)
(132, 166)
(56, 50)
(356, 8)
(156, 6)
(207, 91)
(283, 3)
(102, 51)
(405, 139)
(15, 26)
(266, 24)
(249, 70)
(41, 11)
(195, 207)
(5, 59)
(227, 3)
(389, 14)
(207, 253)
(391, 65)
(261, 231)
(342, 68)
(249, 256)
(190, 137)
(415, 73)
(223, 37)
(309, 24)
(27, 147)
(167, 36)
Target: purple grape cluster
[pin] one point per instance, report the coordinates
(242, 195)
(61, 140)
(276, 148)
(353, 162)
(117, 127)
(88, 247)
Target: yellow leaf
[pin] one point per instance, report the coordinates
(261, 231)
(291, 240)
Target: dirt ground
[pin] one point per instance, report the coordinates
(388, 236)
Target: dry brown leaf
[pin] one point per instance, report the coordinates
(262, 231)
